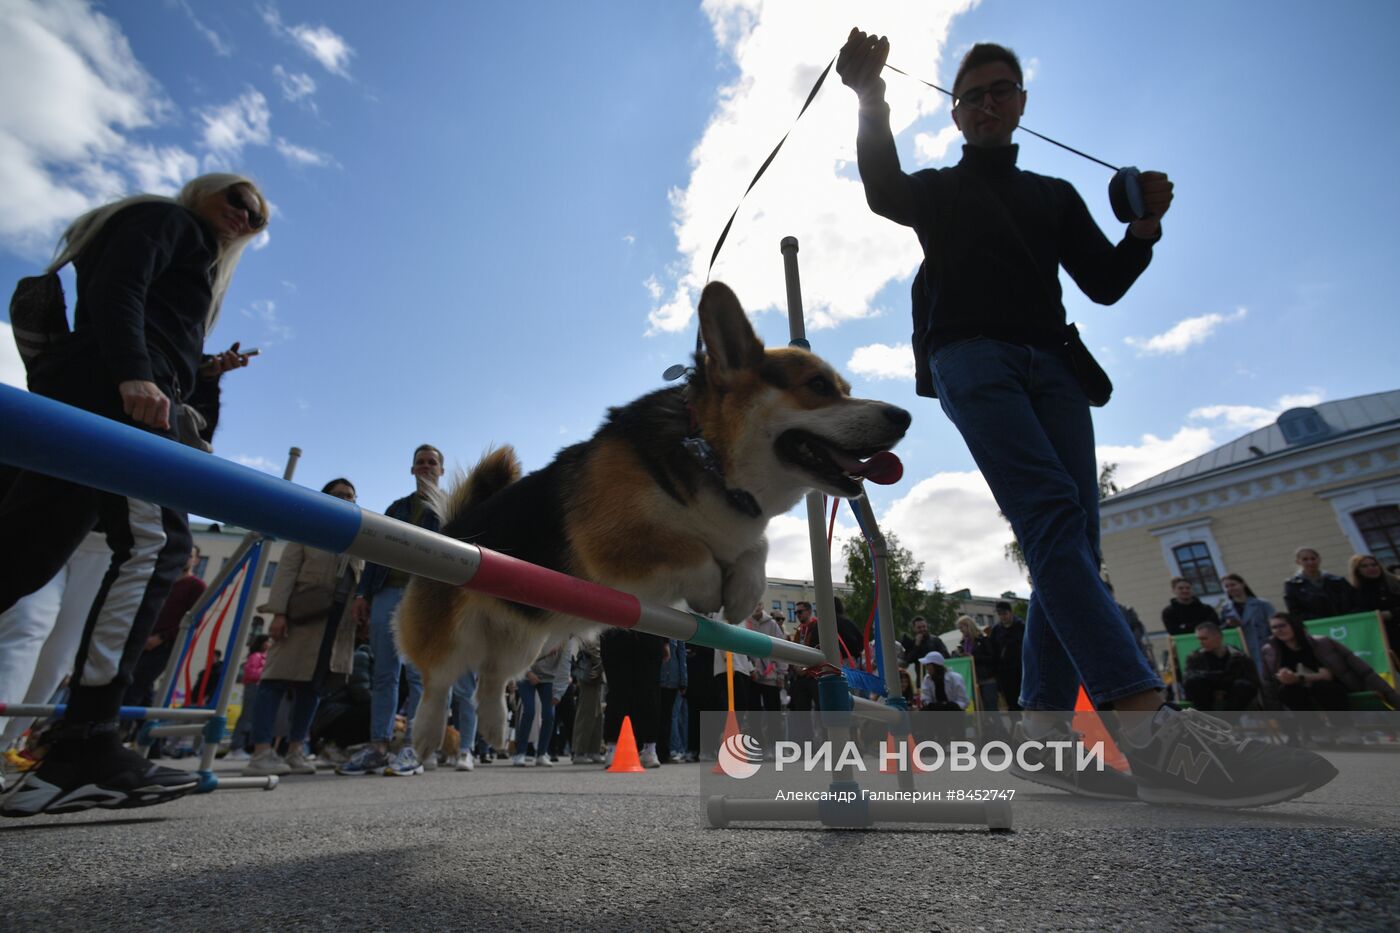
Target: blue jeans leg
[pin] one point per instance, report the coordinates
(384, 689)
(1027, 424)
(464, 696)
(265, 705)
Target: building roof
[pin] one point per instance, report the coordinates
(1343, 418)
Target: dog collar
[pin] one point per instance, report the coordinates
(705, 455)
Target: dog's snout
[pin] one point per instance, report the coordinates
(899, 417)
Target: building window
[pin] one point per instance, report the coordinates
(1380, 528)
(269, 573)
(1193, 561)
(200, 567)
(777, 605)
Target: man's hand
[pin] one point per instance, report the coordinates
(359, 611)
(145, 403)
(152, 643)
(860, 63)
(220, 363)
(277, 631)
(1157, 197)
(1288, 677)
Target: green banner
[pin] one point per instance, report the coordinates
(1362, 634)
(963, 668)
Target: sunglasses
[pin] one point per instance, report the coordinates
(235, 199)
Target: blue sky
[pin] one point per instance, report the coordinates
(492, 221)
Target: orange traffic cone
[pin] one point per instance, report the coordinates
(625, 759)
(1088, 724)
(731, 729)
(913, 761)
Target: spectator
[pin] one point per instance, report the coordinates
(1217, 676)
(152, 273)
(675, 676)
(977, 644)
(1375, 589)
(769, 675)
(851, 638)
(156, 651)
(942, 690)
(464, 703)
(313, 634)
(381, 591)
(1242, 609)
(204, 687)
(699, 662)
(342, 719)
(920, 642)
(1135, 626)
(802, 692)
(1312, 594)
(249, 677)
(588, 712)
(543, 684)
(1184, 612)
(632, 664)
(1007, 637)
(1309, 672)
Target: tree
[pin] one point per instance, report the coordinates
(941, 609)
(904, 572)
(1107, 487)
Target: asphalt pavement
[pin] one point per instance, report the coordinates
(576, 848)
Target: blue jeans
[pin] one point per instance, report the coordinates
(528, 692)
(384, 685)
(464, 699)
(1027, 424)
(305, 694)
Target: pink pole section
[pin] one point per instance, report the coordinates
(515, 580)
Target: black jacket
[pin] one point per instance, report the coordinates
(1307, 600)
(1182, 618)
(1006, 648)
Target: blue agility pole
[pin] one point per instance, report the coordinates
(49, 437)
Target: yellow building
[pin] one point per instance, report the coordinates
(1326, 477)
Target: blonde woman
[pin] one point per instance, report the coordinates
(152, 273)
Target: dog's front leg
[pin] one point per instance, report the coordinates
(704, 588)
(744, 582)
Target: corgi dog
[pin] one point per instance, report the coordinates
(668, 501)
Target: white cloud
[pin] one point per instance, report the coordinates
(320, 42)
(809, 191)
(261, 240)
(629, 239)
(295, 85)
(653, 288)
(74, 93)
(160, 169)
(241, 122)
(11, 366)
(933, 147)
(300, 155)
(221, 47)
(1253, 417)
(882, 361)
(1153, 454)
(275, 330)
(1185, 334)
(790, 545)
(258, 463)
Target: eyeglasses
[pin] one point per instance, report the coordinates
(1281, 627)
(999, 91)
(234, 196)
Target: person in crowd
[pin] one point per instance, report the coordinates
(1217, 676)
(942, 691)
(920, 642)
(906, 689)
(699, 663)
(768, 677)
(1313, 594)
(250, 676)
(786, 626)
(977, 644)
(675, 677)
(160, 644)
(204, 686)
(342, 718)
(992, 343)
(588, 711)
(1311, 672)
(802, 690)
(852, 641)
(464, 707)
(632, 664)
(1184, 611)
(1242, 609)
(543, 685)
(1007, 640)
(381, 591)
(1135, 625)
(152, 273)
(313, 636)
(1375, 589)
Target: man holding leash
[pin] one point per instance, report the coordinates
(991, 343)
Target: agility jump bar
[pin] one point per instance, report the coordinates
(49, 437)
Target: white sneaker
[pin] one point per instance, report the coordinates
(465, 762)
(298, 763)
(266, 763)
(648, 759)
(522, 760)
(543, 760)
(238, 755)
(608, 756)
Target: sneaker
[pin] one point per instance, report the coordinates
(331, 756)
(21, 761)
(1108, 784)
(1193, 758)
(267, 762)
(544, 761)
(91, 768)
(298, 763)
(464, 762)
(608, 756)
(239, 755)
(523, 760)
(368, 760)
(404, 764)
(648, 759)
(431, 762)
(598, 758)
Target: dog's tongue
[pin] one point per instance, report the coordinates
(884, 468)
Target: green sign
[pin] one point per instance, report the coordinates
(1362, 633)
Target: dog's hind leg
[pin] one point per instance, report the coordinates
(430, 725)
(491, 709)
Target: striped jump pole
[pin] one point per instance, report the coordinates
(49, 437)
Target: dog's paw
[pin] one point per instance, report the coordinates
(745, 581)
(704, 591)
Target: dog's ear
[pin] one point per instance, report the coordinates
(730, 342)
